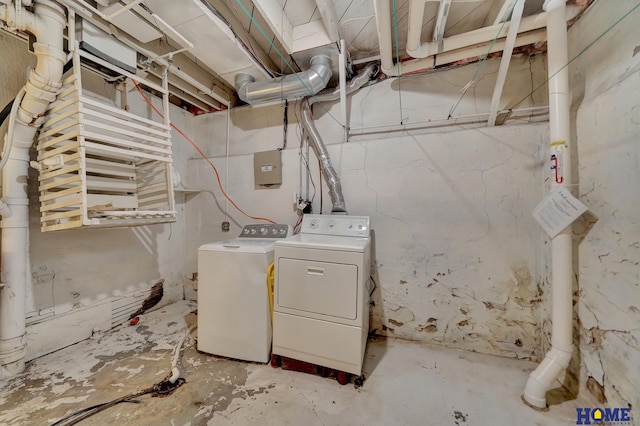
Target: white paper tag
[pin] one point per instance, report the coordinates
(266, 168)
(558, 210)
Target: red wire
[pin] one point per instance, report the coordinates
(197, 148)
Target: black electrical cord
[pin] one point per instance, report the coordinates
(85, 410)
(6, 111)
(320, 179)
(285, 125)
(163, 388)
(375, 285)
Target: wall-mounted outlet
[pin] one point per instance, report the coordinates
(226, 226)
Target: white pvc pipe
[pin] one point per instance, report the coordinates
(414, 29)
(47, 22)
(427, 54)
(557, 359)
(383, 22)
(481, 35)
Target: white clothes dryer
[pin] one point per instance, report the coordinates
(321, 302)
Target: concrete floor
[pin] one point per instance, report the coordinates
(407, 384)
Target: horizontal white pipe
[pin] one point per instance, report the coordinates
(465, 119)
(481, 35)
(455, 46)
(557, 359)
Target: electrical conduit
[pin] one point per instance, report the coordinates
(318, 146)
(47, 23)
(557, 359)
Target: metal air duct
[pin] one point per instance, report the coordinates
(306, 83)
(318, 146)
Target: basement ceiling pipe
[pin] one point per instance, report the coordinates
(417, 49)
(557, 359)
(291, 86)
(454, 48)
(47, 23)
(318, 146)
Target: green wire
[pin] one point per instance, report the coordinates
(483, 61)
(395, 26)
(597, 39)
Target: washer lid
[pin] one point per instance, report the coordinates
(240, 245)
(325, 242)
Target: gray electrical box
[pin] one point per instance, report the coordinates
(267, 168)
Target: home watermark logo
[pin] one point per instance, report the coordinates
(603, 416)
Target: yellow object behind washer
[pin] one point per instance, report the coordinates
(271, 278)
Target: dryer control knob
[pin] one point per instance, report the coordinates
(263, 231)
(313, 224)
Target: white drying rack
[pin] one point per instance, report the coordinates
(102, 166)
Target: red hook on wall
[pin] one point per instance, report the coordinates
(554, 166)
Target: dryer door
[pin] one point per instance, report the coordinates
(318, 287)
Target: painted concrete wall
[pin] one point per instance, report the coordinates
(606, 93)
(455, 246)
(81, 278)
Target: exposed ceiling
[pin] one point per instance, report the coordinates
(267, 38)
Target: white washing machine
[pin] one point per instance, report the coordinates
(234, 318)
(321, 303)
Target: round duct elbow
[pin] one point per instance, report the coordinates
(241, 83)
(292, 86)
(320, 73)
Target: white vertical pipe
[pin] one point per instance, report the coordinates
(383, 23)
(414, 30)
(226, 166)
(47, 22)
(557, 359)
(343, 88)
(506, 60)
